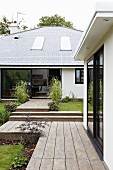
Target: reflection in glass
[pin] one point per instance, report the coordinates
(10, 78)
(90, 96)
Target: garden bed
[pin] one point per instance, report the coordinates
(26, 151)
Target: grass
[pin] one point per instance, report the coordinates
(90, 107)
(2, 109)
(4, 116)
(7, 155)
(71, 106)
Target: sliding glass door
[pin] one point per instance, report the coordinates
(95, 98)
(98, 102)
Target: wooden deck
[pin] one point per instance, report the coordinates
(35, 103)
(65, 147)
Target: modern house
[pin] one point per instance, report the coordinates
(96, 49)
(36, 56)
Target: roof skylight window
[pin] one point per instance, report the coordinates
(38, 43)
(65, 44)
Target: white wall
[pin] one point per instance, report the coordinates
(85, 96)
(108, 100)
(68, 84)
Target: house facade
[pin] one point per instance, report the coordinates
(96, 49)
(36, 56)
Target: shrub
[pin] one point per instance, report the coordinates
(53, 106)
(34, 130)
(21, 92)
(90, 93)
(20, 161)
(4, 117)
(11, 106)
(55, 92)
(66, 99)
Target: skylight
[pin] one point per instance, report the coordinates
(38, 43)
(65, 44)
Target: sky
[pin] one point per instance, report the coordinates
(79, 12)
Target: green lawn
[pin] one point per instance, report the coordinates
(71, 106)
(2, 109)
(90, 107)
(7, 155)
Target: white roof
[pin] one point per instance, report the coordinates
(100, 24)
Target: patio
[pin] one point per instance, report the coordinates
(65, 147)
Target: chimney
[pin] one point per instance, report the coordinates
(14, 28)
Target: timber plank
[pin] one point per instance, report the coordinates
(71, 164)
(81, 154)
(50, 145)
(47, 164)
(59, 147)
(5, 125)
(59, 164)
(96, 163)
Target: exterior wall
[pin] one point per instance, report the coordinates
(0, 84)
(68, 84)
(108, 100)
(108, 97)
(85, 96)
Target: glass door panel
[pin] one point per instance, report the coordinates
(90, 96)
(99, 99)
(95, 98)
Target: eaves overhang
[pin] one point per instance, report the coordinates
(100, 24)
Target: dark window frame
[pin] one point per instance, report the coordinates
(81, 76)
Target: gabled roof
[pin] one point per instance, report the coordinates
(18, 51)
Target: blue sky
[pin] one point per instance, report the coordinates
(77, 11)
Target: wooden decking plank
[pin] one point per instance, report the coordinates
(59, 148)
(82, 158)
(35, 103)
(9, 127)
(87, 143)
(71, 159)
(69, 147)
(92, 154)
(36, 160)
(46, 164)
(50, 145)
(40, 147)
(34, 164)
(98, 165)
(16, 126)
(71, 164)
(5, 125)
(59, 164)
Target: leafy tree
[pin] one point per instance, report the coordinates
(55, 20)
(4, 26)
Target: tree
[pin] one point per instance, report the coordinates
(4, 26)
(55, 20)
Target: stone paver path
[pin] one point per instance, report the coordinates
(65, 147)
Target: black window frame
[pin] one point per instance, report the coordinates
(81, 80)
